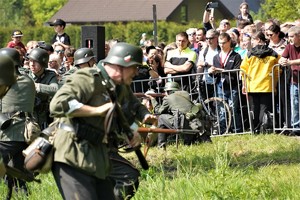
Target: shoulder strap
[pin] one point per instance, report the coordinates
(205, 52)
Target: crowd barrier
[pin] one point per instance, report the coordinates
(285, 100)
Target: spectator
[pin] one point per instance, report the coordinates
(68, 59)
(244, 13)
(60, 38)
(276, 37)
(200, 38)
(224, 26)
(60, 51)
(245, 44)
(143, 39)
(258, 65)
(54, 63)
(267, 25)
(181, 61)
(227, 82)
(205, 61)
(291, 57)
(46, 47)
(192, 39)
(16, 37)
(31, 45)
(107, 48)
(146, 71)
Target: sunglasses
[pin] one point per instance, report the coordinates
(192, 34)
(210, 38)
(59, 51)
(269, 35)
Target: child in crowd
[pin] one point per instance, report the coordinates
(16, 37)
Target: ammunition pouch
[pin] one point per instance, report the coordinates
(194, 112)
(38, 156)
(83, 131)
(89, 133)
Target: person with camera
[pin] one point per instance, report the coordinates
(209, 20)
(17, 94)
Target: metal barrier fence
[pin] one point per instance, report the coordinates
(285, 100)
(229, 90)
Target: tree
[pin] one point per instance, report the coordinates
(43, 10)
(20, 13)
(283, 10)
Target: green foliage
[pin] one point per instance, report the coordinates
(43, 10)
(283, 10)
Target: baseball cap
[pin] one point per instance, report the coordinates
(17, 33)
(58, 22)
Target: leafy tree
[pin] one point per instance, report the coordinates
(43, 10)
(283, 10)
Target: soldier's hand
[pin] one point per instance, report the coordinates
(150, 119)
(136, 139)
(104, 108)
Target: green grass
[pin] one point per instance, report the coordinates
(235, 167)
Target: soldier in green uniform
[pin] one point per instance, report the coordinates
(17, 93)
(46, 85)
(175, 108)
(83, 57)
(81, 160)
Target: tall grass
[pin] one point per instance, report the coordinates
(235, 167)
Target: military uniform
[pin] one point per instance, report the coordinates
(19, 99)
(47, 87)
(88, 87)
(174, 112)
(66, 75)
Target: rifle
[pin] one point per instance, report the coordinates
(16, 173)
(125, 126)
(140, 94)
(167, 131)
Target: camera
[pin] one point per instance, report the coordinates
(212, 5)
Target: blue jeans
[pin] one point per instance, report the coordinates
(295, 105)
(232, 98)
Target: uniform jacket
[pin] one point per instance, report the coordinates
(90, 87)
(233, 62)
(259, 68)
(179, 100)
(20, 97)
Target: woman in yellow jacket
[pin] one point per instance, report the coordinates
(258, 65)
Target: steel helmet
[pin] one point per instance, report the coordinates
(39, 55)
(83, 55)
(125, 55)
(7, 71)
(13, 54)
(171, 86)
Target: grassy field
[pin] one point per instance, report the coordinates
(235, 167)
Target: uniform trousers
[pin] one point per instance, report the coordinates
(124, 176)
(74, 184)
